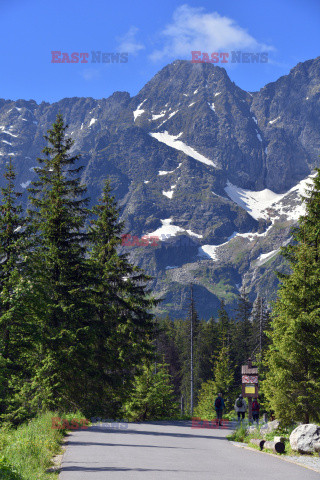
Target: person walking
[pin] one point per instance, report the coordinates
(219, 407)
(255, 410)
(240, 407)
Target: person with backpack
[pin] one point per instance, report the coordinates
(240, 407)
(219, 407)
(255, 410)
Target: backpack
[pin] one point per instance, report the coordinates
(239, 402)
(218, 402)
(255, 406)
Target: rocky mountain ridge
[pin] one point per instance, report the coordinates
(215, 172)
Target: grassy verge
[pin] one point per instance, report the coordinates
(241, 435)
(26, 452)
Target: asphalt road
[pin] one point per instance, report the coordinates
(168, 450)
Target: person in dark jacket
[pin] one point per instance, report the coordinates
(219, 407)
(255, 410)
(240, 407)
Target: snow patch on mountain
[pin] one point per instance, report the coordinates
(155, 117)
(273, 121)
(6, 131)
(167, 230)
(171, 141)
(92, 121)
(210, 251)
(269, 205)
(138, 111)
(169, 193)
(265, 257)
(212, 106)
(255, 203)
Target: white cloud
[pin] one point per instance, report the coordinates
(90, 74)
(193, 29)
(128, 42)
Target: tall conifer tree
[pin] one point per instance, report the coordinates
(122, 321)
(58, 220)
(13, 331)
(292, 384)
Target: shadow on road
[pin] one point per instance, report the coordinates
(132, 431)
(120, 469)
(75, 442)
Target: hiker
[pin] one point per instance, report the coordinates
(240, 407)
(255, 410)
(219, 406)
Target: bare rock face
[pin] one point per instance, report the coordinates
(195, 155)
(304, 437)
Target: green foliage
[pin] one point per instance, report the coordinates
(75, 320)
(207, 395)
(239, 435)
(58, 271)
(260, 318)
(121, 322)
(26, 452)
(224, 375)
(153, 395)
(292, 384)
(14, 335)
(223, 382)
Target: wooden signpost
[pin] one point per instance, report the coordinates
(250, 384)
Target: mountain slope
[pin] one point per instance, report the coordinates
(197, 161)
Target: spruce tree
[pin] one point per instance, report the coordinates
(13, 324)
(190, 349)
(59, 271)
(242, 334)
(152, 396)
(224, 375)
(167, 349)
(260, 319)
(122, 323)
(224, 327)
(206, 397)
(292, 385)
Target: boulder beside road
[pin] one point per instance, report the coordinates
(270, 427)
(304, 437)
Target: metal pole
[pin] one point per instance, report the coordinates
(191, 355)
(250, 409)
(260, 342)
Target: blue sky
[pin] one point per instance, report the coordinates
(154, 33)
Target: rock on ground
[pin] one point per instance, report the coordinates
(270, 427)
(303, 438)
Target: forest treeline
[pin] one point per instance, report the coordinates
(76, 325)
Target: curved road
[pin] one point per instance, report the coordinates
(168, 450)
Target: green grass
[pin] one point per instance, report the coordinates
(241, 435)
(26, 452)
